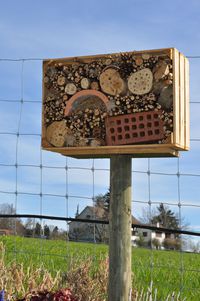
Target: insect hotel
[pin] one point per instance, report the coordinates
(134, 103)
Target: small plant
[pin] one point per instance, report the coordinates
(64, 295)
(61, 295)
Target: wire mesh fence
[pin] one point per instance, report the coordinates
(49, 190)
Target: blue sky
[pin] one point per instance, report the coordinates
(49, 29)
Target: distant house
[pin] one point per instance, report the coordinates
(157, 237)
(6, 232)
(90, 232)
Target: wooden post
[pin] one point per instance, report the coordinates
(119, 288)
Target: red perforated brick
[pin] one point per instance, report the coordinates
(134, 128)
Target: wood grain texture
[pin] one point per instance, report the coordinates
(136, 151)
(88, 58)
(119, 288)
(176, 106)
(187, 106)
(182, 100)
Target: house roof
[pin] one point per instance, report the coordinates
(96, 212)
(101, 213)
(135, 221)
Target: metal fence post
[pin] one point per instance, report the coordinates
(119, 288)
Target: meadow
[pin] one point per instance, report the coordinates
(170, 271)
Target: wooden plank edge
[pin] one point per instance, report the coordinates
(116, 150)
(165, 153)
(154, 147)
(174, 154)
(187, 106)
(175, 96)
(162, 51)
(43, 123)
(181, 100)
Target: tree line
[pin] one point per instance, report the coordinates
(29, 228)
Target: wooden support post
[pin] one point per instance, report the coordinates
(119, 288)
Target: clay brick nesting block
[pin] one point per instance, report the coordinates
(90, 99)
(134, 128)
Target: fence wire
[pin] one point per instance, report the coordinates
(45, 187)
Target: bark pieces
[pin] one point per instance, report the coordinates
(139, 61)
(146, 56)
(166, 97)
(95, 86)
(161, 70)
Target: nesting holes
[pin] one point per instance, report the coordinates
(127, 136)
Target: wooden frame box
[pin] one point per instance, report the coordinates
(98, 106)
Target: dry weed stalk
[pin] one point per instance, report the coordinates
(18, 281)
(86, 281)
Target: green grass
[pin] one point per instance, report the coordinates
(169, 270)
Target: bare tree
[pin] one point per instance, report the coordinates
(10, 223)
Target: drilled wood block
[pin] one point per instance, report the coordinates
(134, 128)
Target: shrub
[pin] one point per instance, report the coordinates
(172, 244)
(156, 243)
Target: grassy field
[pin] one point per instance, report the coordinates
(169, 270)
